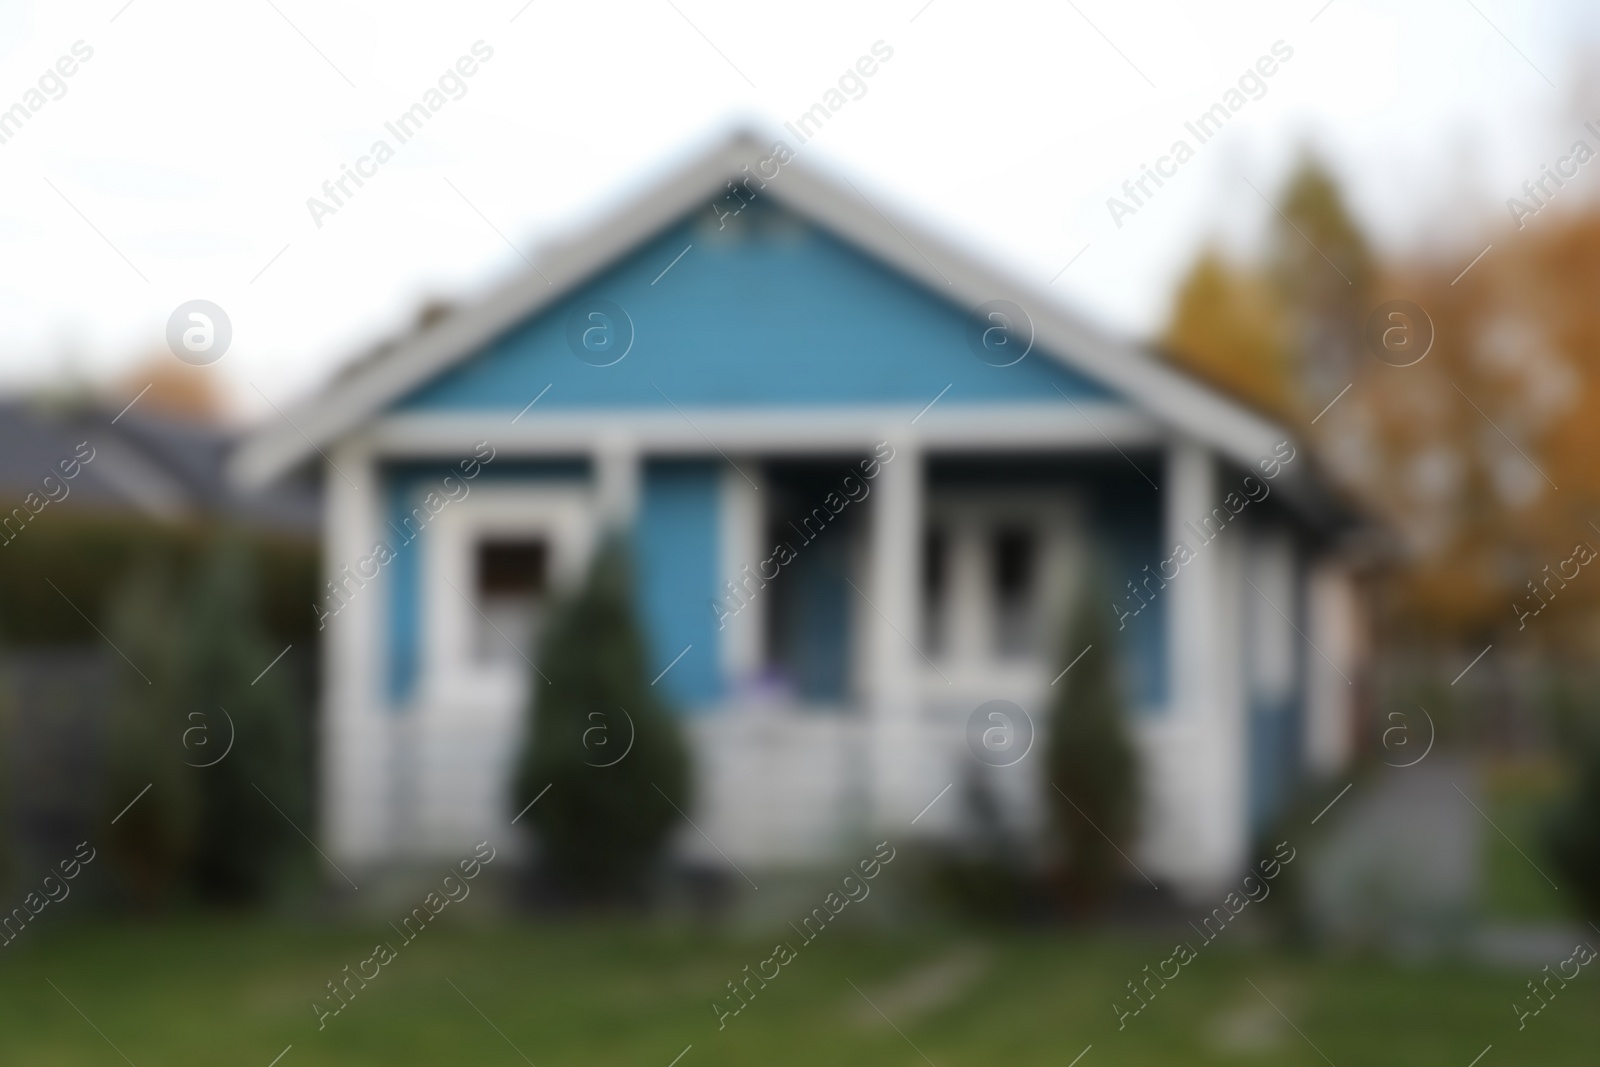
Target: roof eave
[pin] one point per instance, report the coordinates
(1190, 407)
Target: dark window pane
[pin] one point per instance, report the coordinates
(512, 580)
(935, 587)
(511, 567)
(1014, 561)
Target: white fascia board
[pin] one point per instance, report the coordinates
(1184, 403)
(986, 427)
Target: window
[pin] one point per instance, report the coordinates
(1014, 568)
(512, 583)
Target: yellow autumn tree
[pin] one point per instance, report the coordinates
(172, 388)
(1227, 328)
(1498, 435)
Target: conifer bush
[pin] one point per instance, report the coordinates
(1091, 786)
(8, 757)
(243, 845)
(1574, 836)
(602, 826)
(152, 842)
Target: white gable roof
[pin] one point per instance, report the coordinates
(835, 204)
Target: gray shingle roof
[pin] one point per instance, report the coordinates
(143, 463)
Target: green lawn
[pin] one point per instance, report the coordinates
(214, 992)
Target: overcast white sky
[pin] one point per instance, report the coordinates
(193, 136)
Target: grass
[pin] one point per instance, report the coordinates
(239, 992)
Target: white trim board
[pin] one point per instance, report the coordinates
(351, 402)
(988, 427)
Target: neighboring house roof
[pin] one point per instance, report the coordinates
(391, 374)
(152, 466)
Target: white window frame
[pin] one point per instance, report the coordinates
(564, 516)
(970, 517)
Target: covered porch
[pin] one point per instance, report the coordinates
(827, 688)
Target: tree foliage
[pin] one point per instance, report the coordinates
(1459, 455)
(1092, 792)
(242, 844)
(1575, 836)
(8, 786)
(1227, 327)
(186, 694)
(152, 842)
(602, 825)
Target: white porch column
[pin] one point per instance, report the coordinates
(744, 548)
(1205, 782)
(893, 622)
(616, 477)
(358, 731)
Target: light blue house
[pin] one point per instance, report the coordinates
(864, 473)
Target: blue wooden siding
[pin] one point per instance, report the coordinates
(771, 312)
(1130, 526)
(676, 548)
(404, 487)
